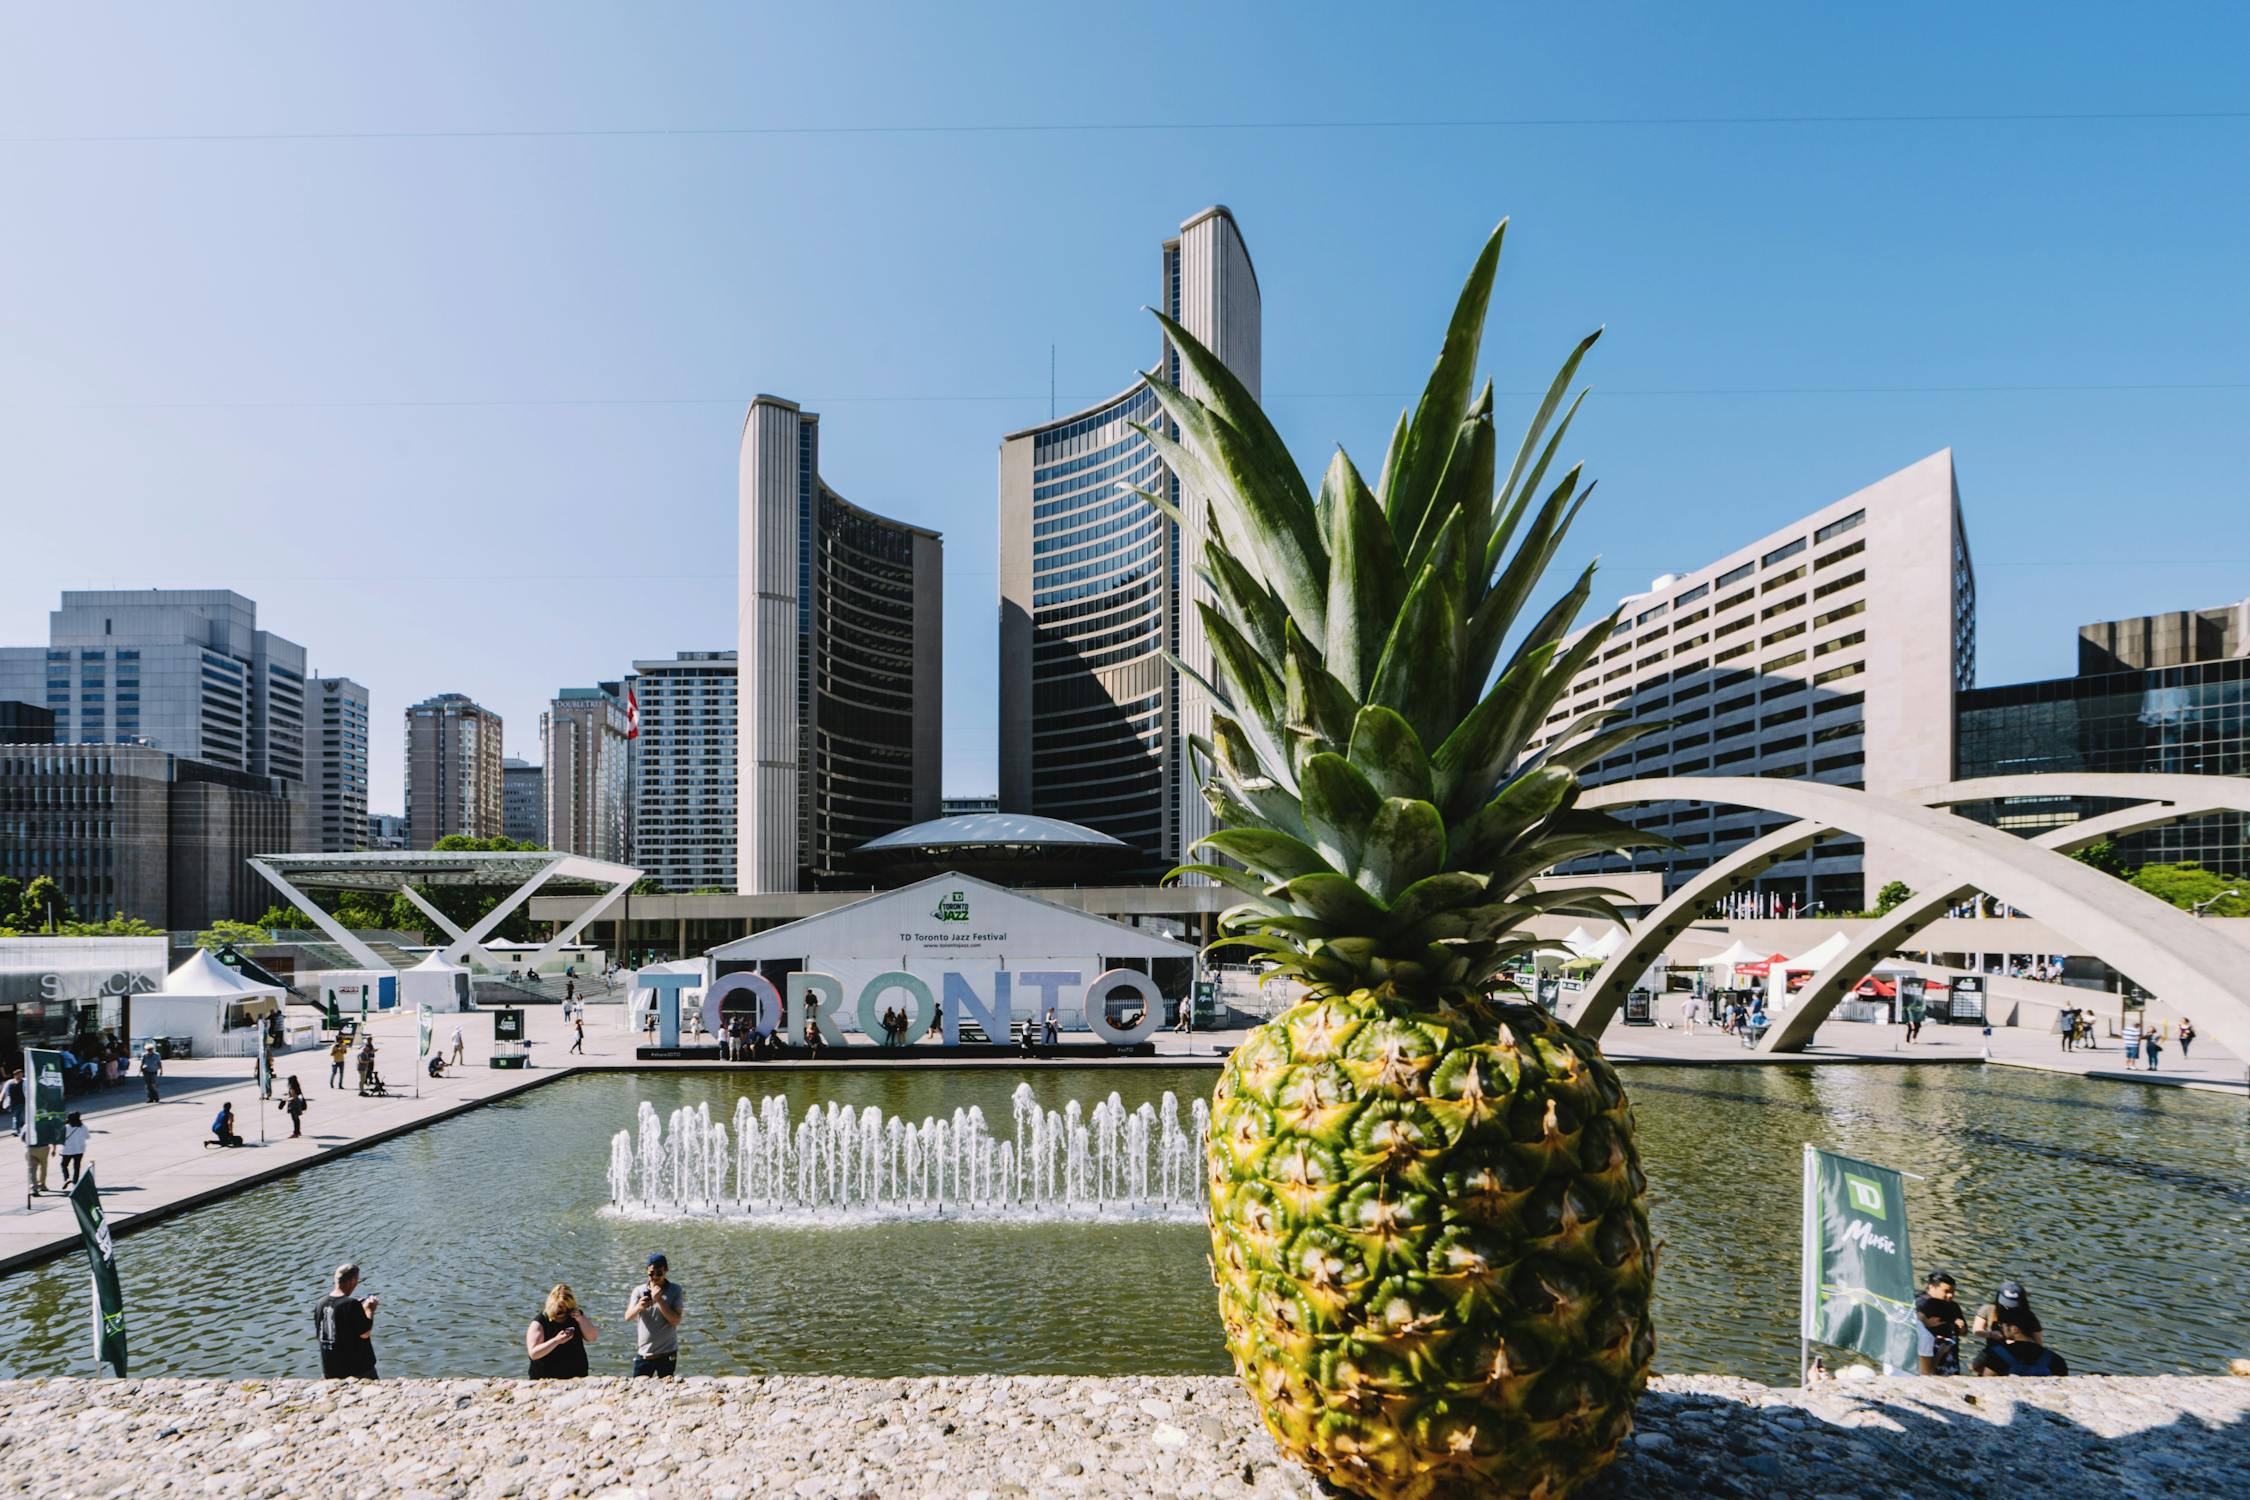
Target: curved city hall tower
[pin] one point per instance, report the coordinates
(838, 704)
(1096, 585)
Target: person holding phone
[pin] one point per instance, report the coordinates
(557, 1338)
(346, 1325)
(655, 1310)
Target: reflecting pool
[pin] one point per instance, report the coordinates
(2125, 1210)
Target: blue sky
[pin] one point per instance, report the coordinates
(459, 407)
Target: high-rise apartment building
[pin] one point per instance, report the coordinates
(452, 770)
(1097, 585)
(2164, 693)
(582, 736)
(184, 670)
(386, 831)
(684, 770)
(840, 620)
(523, 801)
(1831, 649)
(338, 761)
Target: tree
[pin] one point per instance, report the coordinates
(2102, 855)
(1891, 896)
(43, 905)
(223, 931)
(115, 925)
(2189, 885)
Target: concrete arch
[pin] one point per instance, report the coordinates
(2166, 950)
(1606, 992)
(1827, 989)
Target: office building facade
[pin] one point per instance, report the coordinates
(386, 831)
(338, 757)
(586, 778)
(523, 801)
(2167, 693)
(128, 828)
(1829, 650)
(840, 620)
(25, 724)
(1097, 586)
(184, 670)
(452, 770)
(684, 786)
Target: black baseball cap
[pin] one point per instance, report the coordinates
(2010, 1294)
(659, 1260)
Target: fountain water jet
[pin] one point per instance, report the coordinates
(840, 1166)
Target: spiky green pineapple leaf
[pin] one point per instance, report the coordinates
(1413, 482)
(1366, 582)
(1385, 749)
(1319, 708)
(1405, 843)
(1276, 856)
(1518, 487)
(1335, 902)
(1339, 803)
(1249, 604)
(1419, 675)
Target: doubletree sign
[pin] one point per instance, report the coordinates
(953, 908)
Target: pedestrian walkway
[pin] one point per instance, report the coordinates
(150, 1160)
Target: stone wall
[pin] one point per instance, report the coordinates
(962, 1438)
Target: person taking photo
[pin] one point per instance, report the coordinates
(655, 1310)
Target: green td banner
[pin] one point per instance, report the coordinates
(1859, 1265)
(43, 1097)
(109, 1298)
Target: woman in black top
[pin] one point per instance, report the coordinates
(294, 1104)
(557, 1338)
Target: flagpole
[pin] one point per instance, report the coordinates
(1807, 1271)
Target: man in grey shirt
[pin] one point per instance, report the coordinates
(655, 1314)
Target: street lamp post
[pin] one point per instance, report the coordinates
(2197, 909)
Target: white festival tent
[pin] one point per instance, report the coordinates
(961, 926)
(201, 999)
(1817, 956)
(1736, 952)
(437, 982)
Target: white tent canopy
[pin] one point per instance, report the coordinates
(1819, 954)
(437, 982)
(1736, 952)
(201, 999)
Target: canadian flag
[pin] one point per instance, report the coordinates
(632, 715)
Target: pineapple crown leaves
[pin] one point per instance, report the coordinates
(1367, 762)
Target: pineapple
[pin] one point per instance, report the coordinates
(1428, 1225)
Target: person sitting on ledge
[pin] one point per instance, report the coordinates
(812, 1036)
(2019, 1352)
(222, 1128)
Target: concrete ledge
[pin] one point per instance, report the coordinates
(966, 1437)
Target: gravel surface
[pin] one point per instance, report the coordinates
(993, 1437)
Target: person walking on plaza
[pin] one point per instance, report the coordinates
(336, 1055)
(2132, 1039)
(2186, 1035)
(73, 1148)
(346, 1326)
(366, 1061)
(152, 1068)
(2153, 1043)
(34, 1160)
(557, 1338)
(1186, 1022)
(2067, 1023)
(578, 1032)
(293, 1103)
(655, 1310)
(460, 1048)
(1052, 1027)
(12, 1096)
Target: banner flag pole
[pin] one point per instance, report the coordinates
(1808, 1266)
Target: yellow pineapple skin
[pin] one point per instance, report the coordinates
(1430, 1238)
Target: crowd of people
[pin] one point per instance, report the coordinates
(554, 1341)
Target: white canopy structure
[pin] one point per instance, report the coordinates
(437, 982)
(201, 999)
(1820, 953)
(1736, 952)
